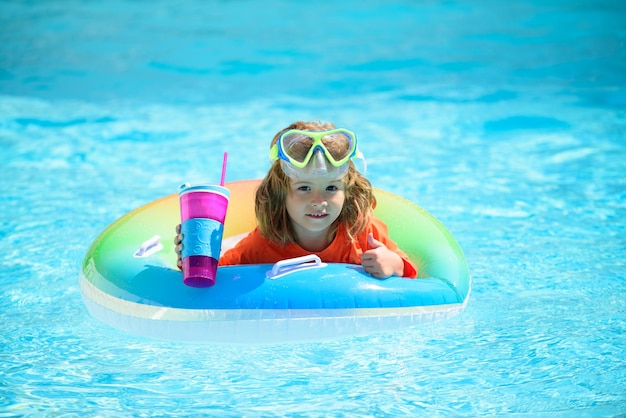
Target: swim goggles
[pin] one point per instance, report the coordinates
(298, 147)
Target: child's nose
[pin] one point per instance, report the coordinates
(318, 199)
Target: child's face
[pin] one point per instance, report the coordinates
(314, 203)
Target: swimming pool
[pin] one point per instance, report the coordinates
(506, 122)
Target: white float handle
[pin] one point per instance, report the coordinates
(283, 267)
(149, 247)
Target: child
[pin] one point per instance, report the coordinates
(314, 201)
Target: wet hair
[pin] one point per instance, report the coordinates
(270, 202)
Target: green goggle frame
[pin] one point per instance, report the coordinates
(280, 149)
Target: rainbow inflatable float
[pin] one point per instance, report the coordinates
(130, 281)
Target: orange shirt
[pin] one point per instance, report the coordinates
(256, 249)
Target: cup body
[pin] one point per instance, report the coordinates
(202, 213)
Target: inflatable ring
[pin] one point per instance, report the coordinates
(130, 281)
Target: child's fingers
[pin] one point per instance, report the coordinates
(178, 238)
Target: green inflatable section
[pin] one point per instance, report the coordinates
(425, 240)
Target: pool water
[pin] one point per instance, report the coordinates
(505, 120)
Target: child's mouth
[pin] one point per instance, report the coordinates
(317, 215)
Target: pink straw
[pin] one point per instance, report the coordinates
(224, 169)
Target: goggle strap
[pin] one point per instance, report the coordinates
(360, 156)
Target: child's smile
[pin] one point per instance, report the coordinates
(317, 215)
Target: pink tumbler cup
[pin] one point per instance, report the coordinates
(202, 214)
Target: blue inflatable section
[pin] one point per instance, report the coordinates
(333, 286)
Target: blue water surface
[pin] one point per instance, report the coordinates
(505, 120)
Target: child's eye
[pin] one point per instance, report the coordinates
(304, 188)
(332, 188)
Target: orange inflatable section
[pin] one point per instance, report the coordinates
(240, 216)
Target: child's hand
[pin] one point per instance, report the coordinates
(178, 242)
(380, 261)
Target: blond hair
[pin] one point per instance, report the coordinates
(270, 202)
